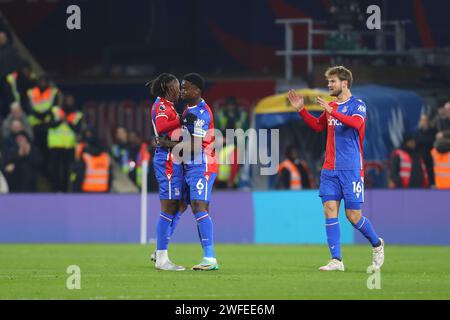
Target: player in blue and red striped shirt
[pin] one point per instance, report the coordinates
(169, 174)
(342, 175)
(200, 163)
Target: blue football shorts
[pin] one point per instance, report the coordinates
(342, 184)
(199, 184)
(169, 176)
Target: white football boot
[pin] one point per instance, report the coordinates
(378, 255)
(169, 266)
(333, 265)
(163, 262)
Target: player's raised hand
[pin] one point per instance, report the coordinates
(296, 101)
(324, 104)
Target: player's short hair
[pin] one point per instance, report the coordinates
(158, 87)
(341, 72)
(195, 79)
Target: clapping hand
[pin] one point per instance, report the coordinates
(324, 104)
(297, 102)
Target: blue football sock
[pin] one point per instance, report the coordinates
(162, 231)
(365, 227)
(205, 228)
(174, 223)
(334, 237)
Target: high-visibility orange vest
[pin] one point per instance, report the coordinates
(97, 172)
(63, 136)
(406, 167)
(41, 102)
(296, 179)
(441, 169)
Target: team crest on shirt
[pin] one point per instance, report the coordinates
(344, 109)
(199, 123)
(177, 192)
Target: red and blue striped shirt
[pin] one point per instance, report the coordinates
(345, 133)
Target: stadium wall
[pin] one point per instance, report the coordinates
(293, 217)
(419, 217)
(401, 217)
(112, 218)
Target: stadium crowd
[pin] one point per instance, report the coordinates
(46, 144)
(421, 161)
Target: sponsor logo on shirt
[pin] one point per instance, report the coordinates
(334, 122)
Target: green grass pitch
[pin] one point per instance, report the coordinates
(247, 272)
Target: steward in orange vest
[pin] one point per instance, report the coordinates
(407, 167)
(93, 173)
(96, 175)
(441, 162)
(42, 98)
(294, 173)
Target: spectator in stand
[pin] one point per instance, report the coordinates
(9, 57)
(16, 113)
(425, 137)
(120, 151)
(20, 160)
(19, 82)
(441, 160)
(442, 120)
(230, 116)
(9, 61)
(293, 172)
(407, 169)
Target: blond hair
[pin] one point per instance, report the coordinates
(341, 72)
